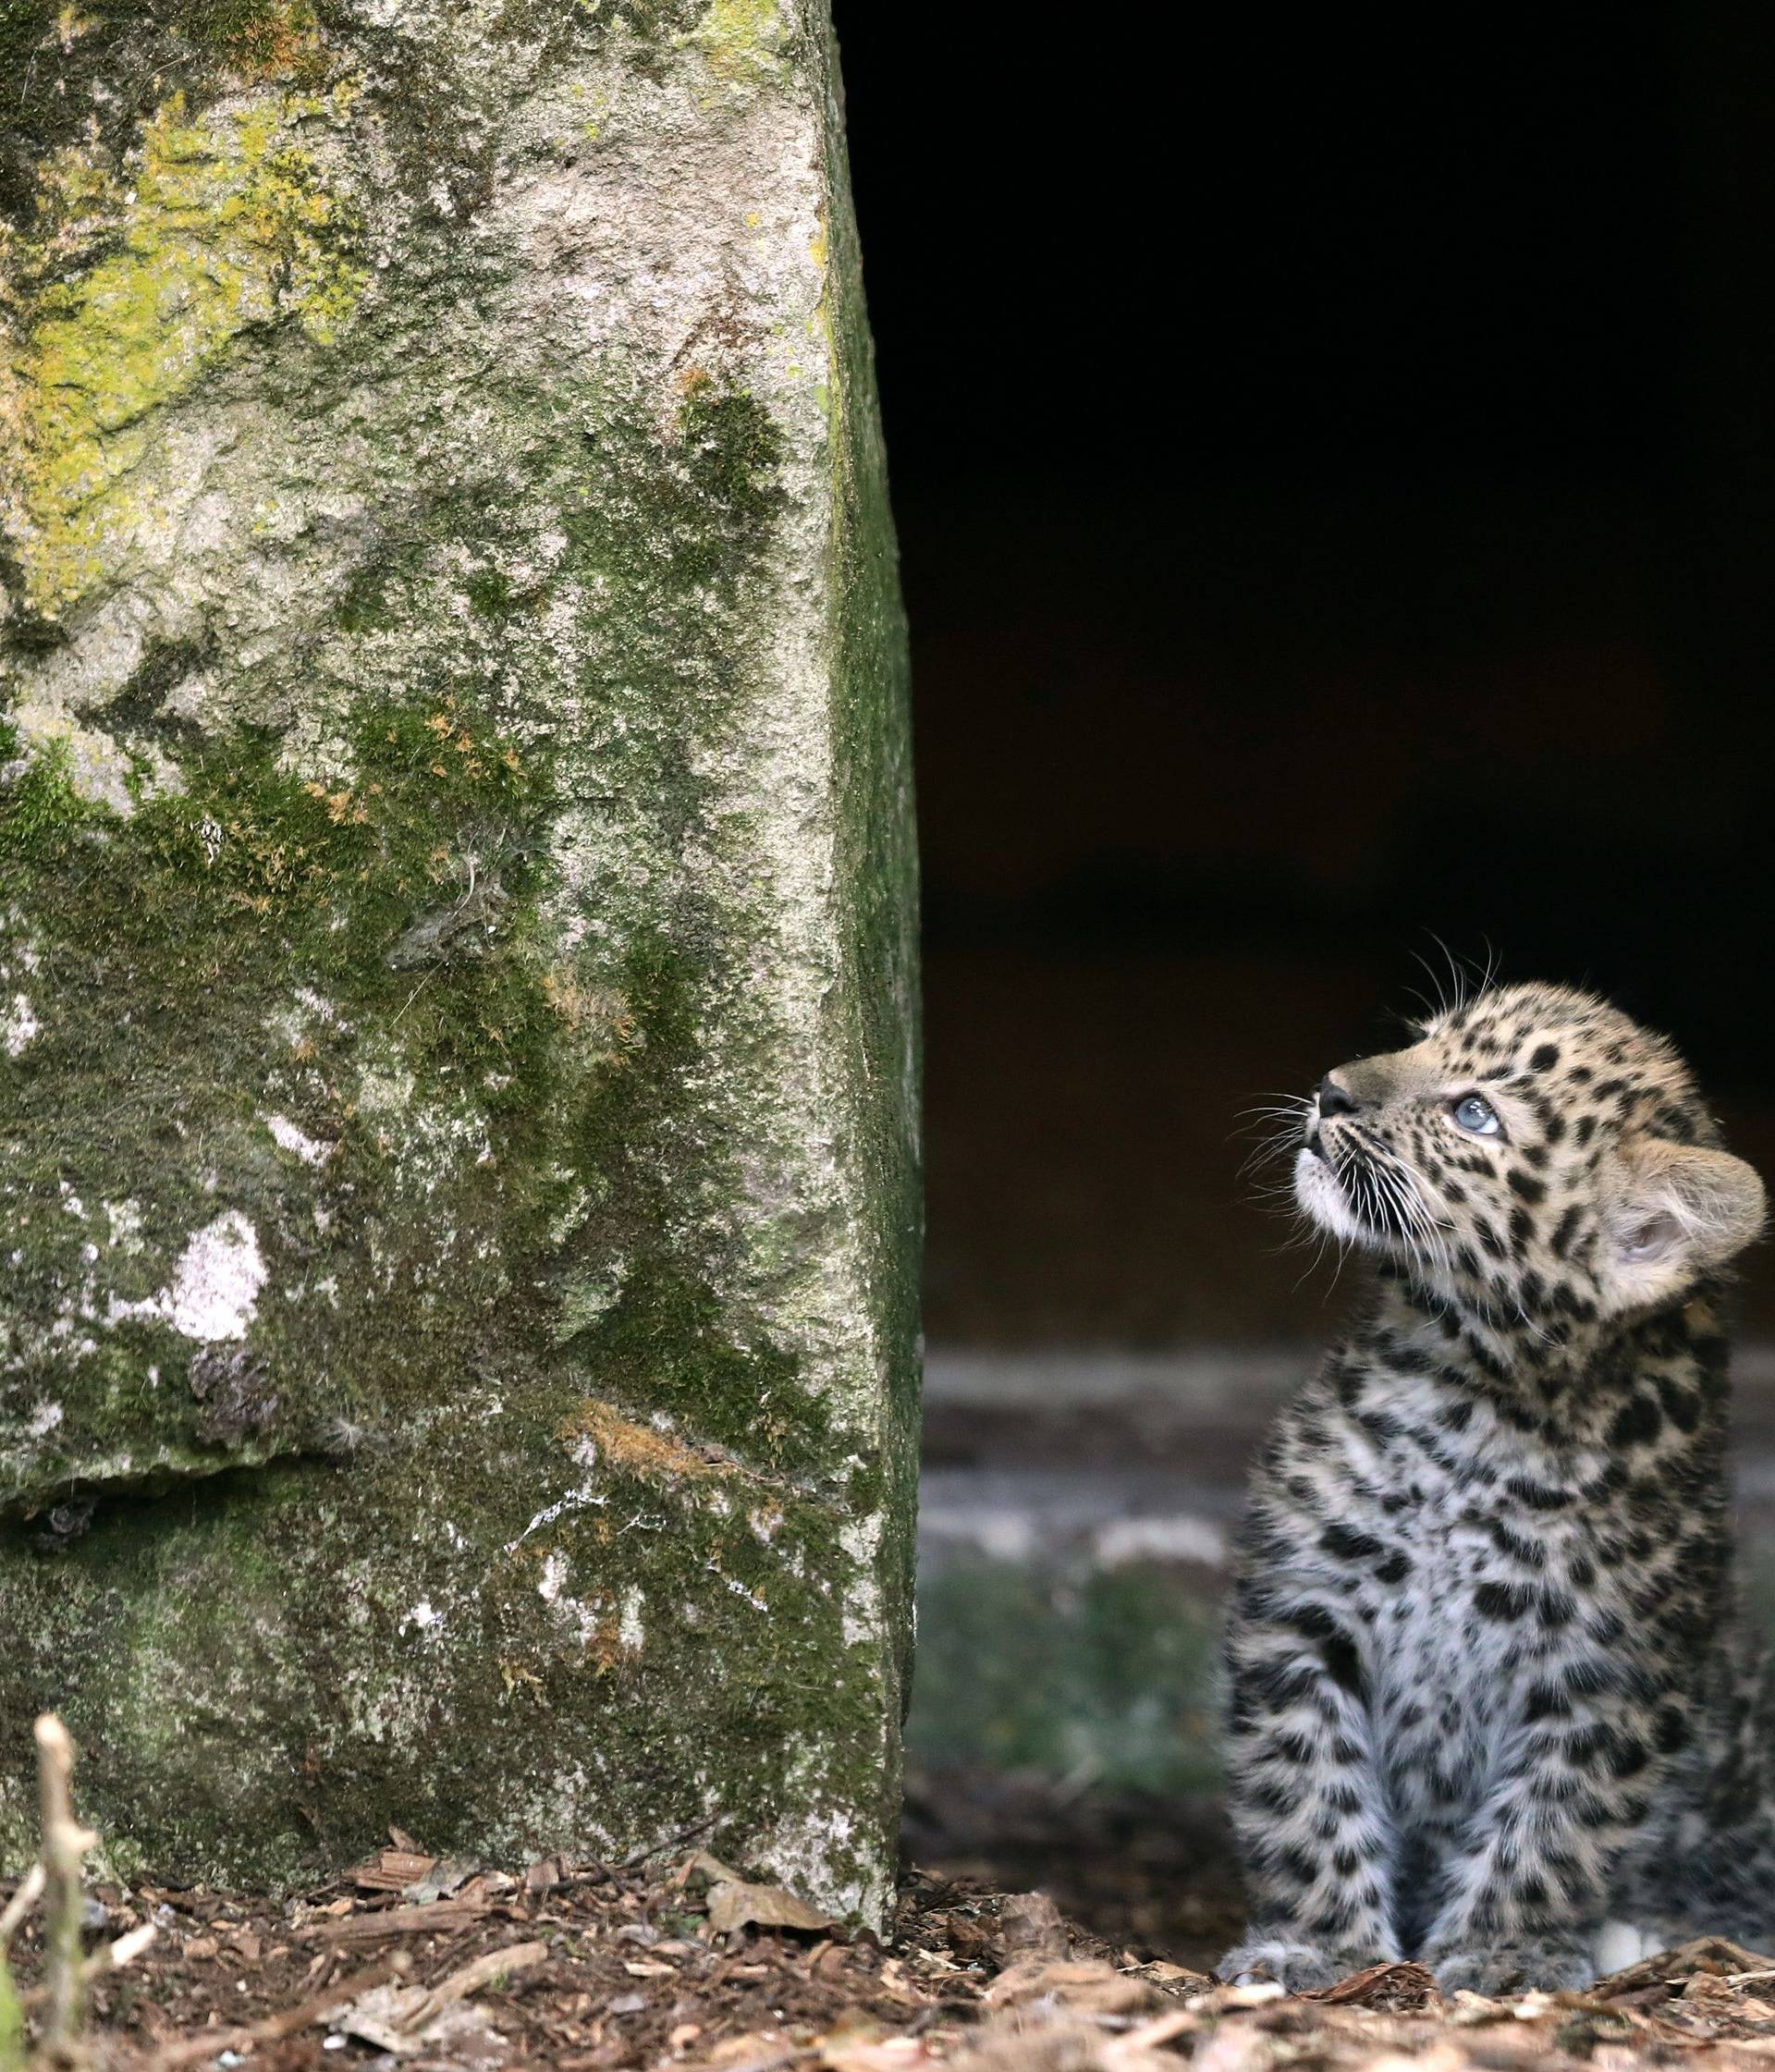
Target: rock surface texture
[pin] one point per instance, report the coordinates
(457, 1020)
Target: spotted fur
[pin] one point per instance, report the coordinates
(1490, 1694)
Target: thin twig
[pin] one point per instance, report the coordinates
(121, 1950)
(31, 1889)
(671, 1842)
(65, 1843)
(478, 1972)
(437, 1917)
(1148, 2035)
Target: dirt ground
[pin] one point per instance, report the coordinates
(580, 1966)
(1143, 1872)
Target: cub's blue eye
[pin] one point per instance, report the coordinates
(1477, 1115)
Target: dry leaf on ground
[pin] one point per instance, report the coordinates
(711, 1870)
(735, 1905)
(1030, 1926)
(411, 2021)
(1087, 1989)
(1407, 1987)
(391, 1870)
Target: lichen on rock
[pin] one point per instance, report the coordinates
(456, 1104)
(137, 279)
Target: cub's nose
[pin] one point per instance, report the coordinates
(1335, 1100)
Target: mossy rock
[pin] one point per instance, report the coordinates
(458, 1107)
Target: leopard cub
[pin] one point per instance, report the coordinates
(1491, 1703)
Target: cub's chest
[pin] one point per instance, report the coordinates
(1454, 1654)
(1504, 1548)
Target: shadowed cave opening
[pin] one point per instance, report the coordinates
(1335, 491)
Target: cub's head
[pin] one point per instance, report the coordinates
(1535, 1154)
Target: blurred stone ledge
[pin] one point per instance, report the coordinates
(1077, 1507)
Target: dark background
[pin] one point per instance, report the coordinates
(1334, 472)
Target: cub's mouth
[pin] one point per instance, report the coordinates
(1350, 1192)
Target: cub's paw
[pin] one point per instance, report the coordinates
(1499, 1967)
(1623, 1943)
(1298, 1966)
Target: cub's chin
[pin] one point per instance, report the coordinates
(1321, 1194)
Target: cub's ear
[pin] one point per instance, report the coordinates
(1682, 1211)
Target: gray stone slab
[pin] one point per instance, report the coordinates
(457, 989)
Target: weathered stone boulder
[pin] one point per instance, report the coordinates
(457, 1020)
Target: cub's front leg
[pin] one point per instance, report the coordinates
(1529, 1891)
(1308, 1800)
